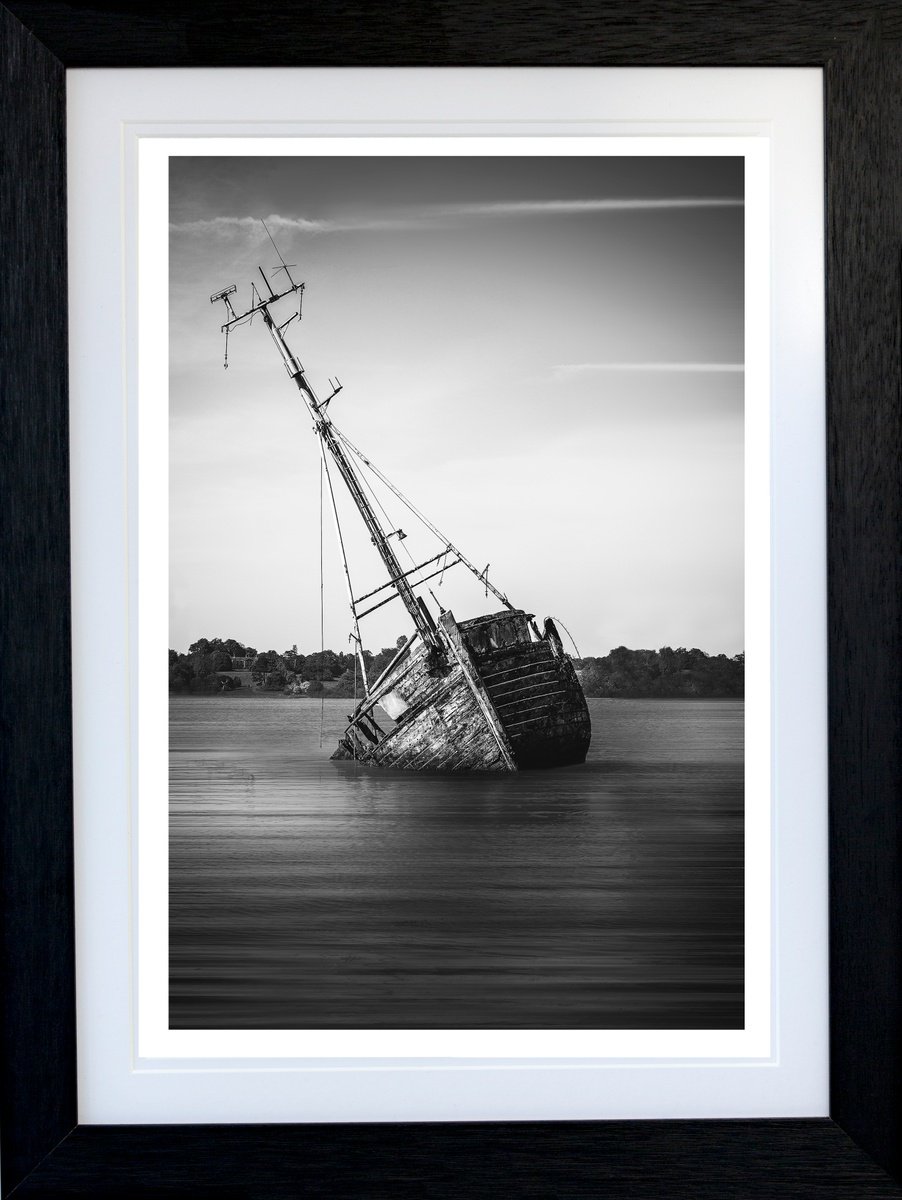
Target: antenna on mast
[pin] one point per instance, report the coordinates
(226, 297)
(272, 294)
(284, 267)
(336, 386)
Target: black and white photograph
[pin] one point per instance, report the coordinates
(456, 592)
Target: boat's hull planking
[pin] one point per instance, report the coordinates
(502, 701)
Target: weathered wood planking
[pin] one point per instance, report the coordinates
(540, 703)
(443, 728)
(487, 708)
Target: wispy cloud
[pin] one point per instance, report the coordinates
(230, 226)
(538, 208)
(444, 214)
(666, 367)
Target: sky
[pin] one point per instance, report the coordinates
(544, 354)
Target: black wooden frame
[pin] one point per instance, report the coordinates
(45, 1153)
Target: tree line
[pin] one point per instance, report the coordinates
(208, 667)
(208, 664)
(640, 674)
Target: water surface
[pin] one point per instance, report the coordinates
(308, 893)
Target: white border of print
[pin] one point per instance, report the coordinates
(132, 1068)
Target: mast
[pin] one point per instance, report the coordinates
(329, 438)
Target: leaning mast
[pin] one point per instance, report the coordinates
(329, 438)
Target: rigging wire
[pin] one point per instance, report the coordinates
(378, 503)
(558, 621)
(420, 516)
(344, 558)
(353, 740)
(322, 609)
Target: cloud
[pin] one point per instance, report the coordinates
(668, 367)
(230, 226)
(539, 208)
(444, 214)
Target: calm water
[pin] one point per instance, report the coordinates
(310, 893)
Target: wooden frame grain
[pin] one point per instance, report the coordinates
(856, 1153)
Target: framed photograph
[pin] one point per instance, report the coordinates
(468, 716)
(225, 1020)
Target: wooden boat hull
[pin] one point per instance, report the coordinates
(500, 699)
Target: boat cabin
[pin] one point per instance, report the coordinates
(497, 631)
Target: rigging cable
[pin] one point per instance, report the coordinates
(353, 739)
(569, 635)
(379, 505)
(420, 516)
(344, 560)
(322, 636)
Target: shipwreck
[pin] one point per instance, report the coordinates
(492, 693)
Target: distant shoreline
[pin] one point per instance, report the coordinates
(218, 668)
